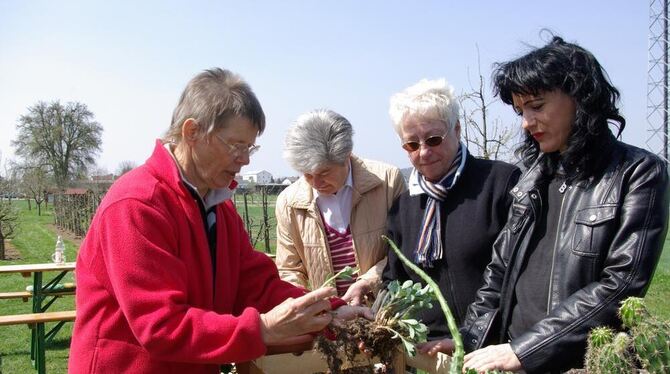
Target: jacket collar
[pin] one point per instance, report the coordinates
(363, 181)
(529, 180)
(164, 168)
(532, 177)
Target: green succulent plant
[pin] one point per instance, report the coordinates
(650, 336)
(395, 310)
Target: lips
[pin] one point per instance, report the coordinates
(538, 135)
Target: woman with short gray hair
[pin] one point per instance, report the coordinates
(167, 280)
(335, 214)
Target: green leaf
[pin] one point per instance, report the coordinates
(409, 347)
(346, 274)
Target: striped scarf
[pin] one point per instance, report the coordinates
(430, 246)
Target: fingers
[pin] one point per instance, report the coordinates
(367, 313)
(500, 357)
(426, 347)
(349, 312)
(433, 347)
(356, 301)
(315, 296)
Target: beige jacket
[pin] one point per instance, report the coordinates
(303, 256)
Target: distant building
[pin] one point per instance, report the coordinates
(289, 180)
(103, 179)
(257, 177)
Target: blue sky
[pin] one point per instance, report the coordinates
(129, 60)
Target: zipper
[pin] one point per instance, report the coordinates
(553, 255)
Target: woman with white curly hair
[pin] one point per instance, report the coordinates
(455, 206)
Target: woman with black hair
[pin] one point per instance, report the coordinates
(587, 225)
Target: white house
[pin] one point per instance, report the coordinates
(257, 177)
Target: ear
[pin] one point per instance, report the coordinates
(190, 131)
(457, 129)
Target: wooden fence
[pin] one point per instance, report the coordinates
(73, 211)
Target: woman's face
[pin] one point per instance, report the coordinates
(432, 162)
(216, 157)
(548, 117)
(329, 178)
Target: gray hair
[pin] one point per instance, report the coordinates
(427, 98)
(318, 138)
(213, 97)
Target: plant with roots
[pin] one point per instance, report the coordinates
(456, 365)
(395, 309)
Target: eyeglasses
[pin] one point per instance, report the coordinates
(431, 141)
(236, 150)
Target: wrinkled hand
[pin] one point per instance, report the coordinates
(432, 347)
(290, 321)
(349, 312)
(493, 357)
(355, 294)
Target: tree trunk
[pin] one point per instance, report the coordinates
(39, 208)
(29, 205)
(2, 246)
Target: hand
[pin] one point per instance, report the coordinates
(493, 357)
(289, 321)
(355, 295)
(432, 347)
(349, 312)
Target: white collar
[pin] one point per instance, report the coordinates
(413, 182)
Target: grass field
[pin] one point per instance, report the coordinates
(36, 241)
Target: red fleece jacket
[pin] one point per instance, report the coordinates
(146, 301)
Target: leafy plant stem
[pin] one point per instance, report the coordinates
(459, 352)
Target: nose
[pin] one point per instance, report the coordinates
(424, 150)
(317, 181)
(527, 121)
(243, 158)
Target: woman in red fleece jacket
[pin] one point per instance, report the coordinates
(167, 281)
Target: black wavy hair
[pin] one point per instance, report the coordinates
(564, 66)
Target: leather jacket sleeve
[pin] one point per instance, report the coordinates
(480, 323)
(628, 264)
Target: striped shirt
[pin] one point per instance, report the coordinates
(342, 254)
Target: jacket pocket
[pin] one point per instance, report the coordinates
(115, 356)
(592, 229)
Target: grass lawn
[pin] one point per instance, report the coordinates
(35, 242)
(37, 238)
(659, 290)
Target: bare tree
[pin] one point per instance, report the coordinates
(35, 182)
(8, 224)
(124, 167)
(9, 183)
(490, 138)
(64, 137)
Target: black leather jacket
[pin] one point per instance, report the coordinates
(610, 236)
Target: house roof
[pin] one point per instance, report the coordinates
(256, 172)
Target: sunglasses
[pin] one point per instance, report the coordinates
(431, 141)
